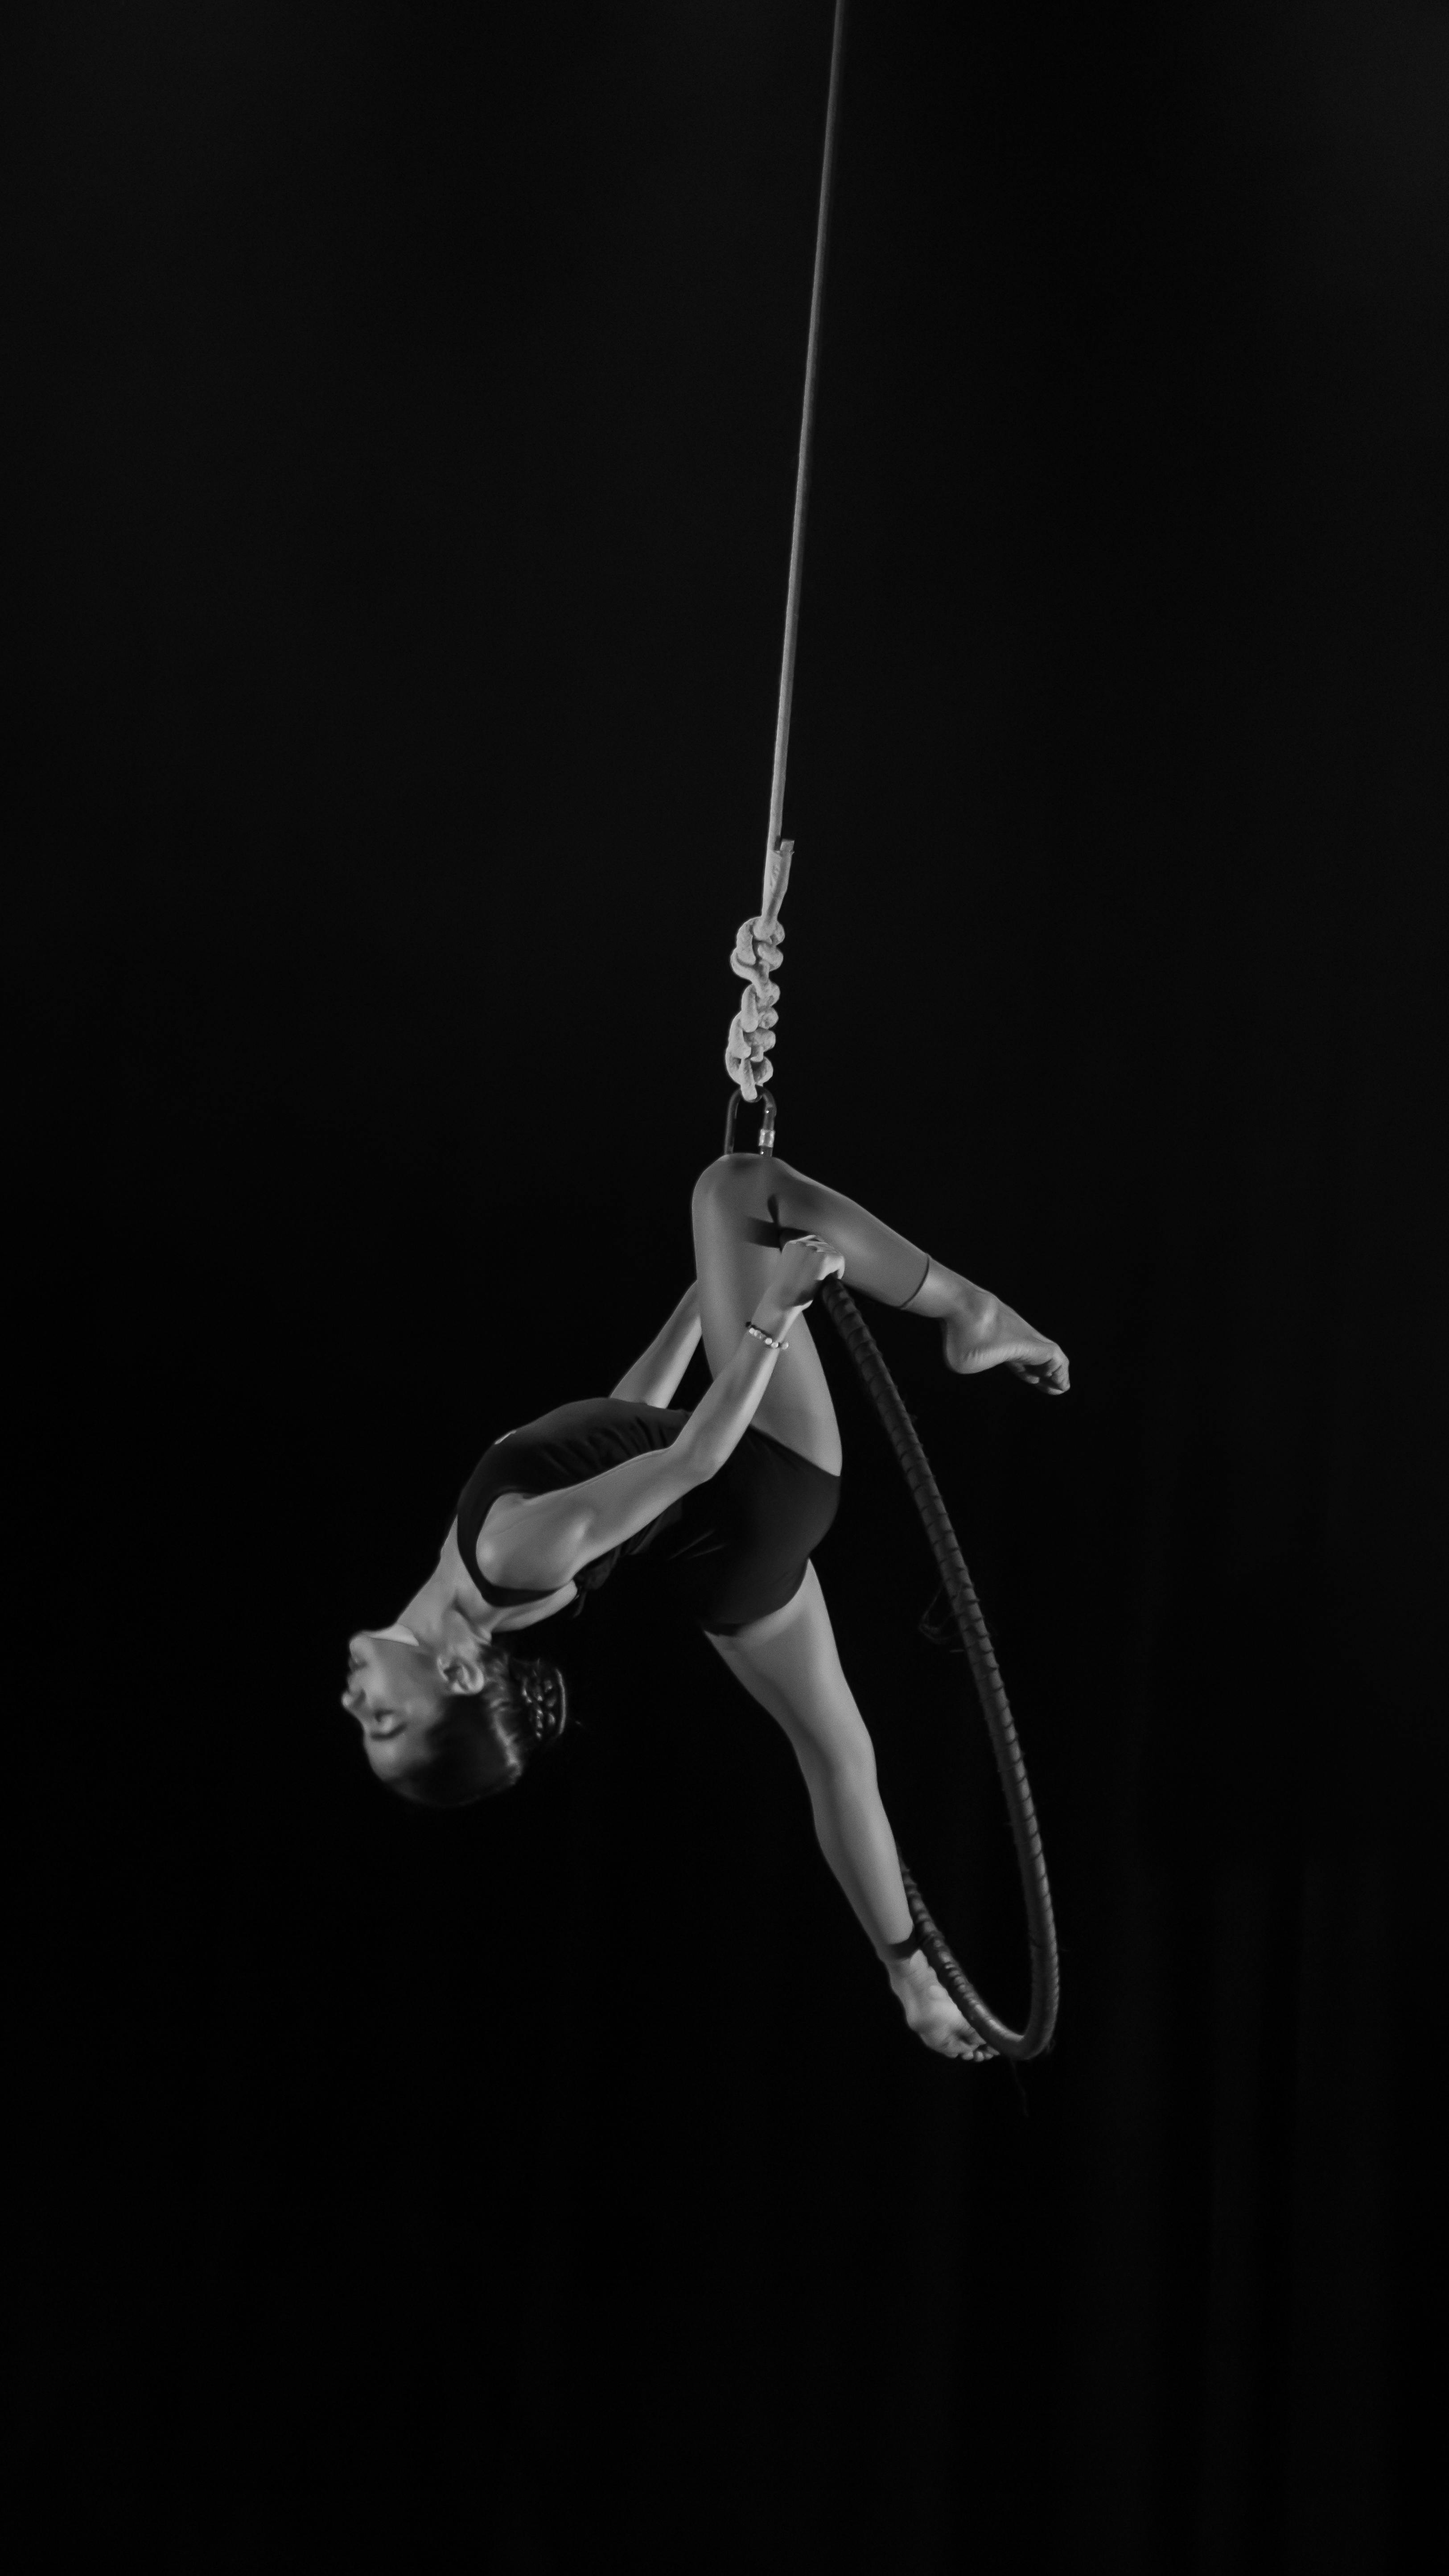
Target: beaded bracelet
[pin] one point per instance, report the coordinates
(762, 1336)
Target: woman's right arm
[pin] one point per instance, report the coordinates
(546, 1538)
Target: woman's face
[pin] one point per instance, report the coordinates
(396, 1694)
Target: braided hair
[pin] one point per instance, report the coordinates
(485, 1740)
(543, 1698)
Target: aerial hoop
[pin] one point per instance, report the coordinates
(747, 1058)
(1036, 2035)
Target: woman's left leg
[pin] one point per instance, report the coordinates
(789, 1663)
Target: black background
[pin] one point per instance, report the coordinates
(409, 402)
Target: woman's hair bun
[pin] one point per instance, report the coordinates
(544, 1698)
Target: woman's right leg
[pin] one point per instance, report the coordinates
(738, 1198)
(878, 1261)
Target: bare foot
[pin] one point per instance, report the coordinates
(984, 1334)
(929, 2010)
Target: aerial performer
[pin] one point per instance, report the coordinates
(726, 1502)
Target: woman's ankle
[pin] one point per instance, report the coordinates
(944, 1293)
(913, 1972)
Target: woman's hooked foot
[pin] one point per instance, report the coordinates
(930, 2012)
(981, 1333)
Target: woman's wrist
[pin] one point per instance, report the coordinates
(726, 1409)
(773, 1318)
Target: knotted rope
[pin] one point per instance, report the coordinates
(757, 952)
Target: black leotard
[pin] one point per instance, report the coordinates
(736, 1547)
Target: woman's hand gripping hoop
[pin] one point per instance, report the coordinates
(806, 1262)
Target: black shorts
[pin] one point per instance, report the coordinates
(742, 1541)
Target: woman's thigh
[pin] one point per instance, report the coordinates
(734, 1273)
(790, 1664)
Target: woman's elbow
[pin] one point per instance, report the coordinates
(694, 1456)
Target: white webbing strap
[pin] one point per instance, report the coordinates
(757, 945)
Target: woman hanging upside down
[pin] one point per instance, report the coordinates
(731, 1497)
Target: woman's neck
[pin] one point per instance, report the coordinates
(446, 1604)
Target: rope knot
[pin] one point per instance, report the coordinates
(758, 949)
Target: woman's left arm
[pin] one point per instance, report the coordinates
(655, 1375)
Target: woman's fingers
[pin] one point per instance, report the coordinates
(806, 1260)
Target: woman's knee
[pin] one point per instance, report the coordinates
(728, 1182)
